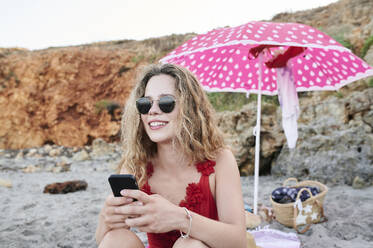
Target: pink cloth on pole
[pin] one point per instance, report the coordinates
(270, 238)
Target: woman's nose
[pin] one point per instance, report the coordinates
(154, 109)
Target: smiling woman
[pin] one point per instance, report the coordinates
(190, 186)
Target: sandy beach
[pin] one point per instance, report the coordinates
(30, 218)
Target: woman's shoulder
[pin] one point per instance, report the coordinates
(224, 154)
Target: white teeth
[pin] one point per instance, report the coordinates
(156, 124)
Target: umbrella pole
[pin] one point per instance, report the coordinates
(257, 136)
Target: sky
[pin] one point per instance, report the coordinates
(39, 24)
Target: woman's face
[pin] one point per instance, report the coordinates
(161, 127)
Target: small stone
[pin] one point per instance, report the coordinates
(30, 169)
(31, 153)
(19, 155)
(65, 187)
(47, 148)
(61, 167)
(5, 183)
(54, 152)
(358, 183)
(81, 156)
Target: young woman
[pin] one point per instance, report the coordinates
(190, 186)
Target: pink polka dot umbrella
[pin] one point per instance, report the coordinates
(220, 59)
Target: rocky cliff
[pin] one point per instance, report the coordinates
(70, 96)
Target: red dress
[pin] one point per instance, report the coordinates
(198, 199)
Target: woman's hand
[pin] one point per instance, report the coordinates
(154, 213)
(112, 219)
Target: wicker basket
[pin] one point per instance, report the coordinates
(286, 213)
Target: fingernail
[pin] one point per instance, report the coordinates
(123, 192)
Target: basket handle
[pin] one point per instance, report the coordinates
(300, 193)
(296, 212)
(290, 179)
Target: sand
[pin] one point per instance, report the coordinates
(30, 218)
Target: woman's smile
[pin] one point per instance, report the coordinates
(156, 124)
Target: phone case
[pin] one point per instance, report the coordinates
(122, 181)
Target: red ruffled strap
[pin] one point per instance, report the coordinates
(206, 167)
(149, 172)
(193, 198)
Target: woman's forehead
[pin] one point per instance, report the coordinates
(160, 85)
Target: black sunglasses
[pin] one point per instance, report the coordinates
(165, 103)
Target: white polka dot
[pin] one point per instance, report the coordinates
(332, 41)
(294, 37)
(218, 59)
(311, 30)
(355, 65)
(304, 33)
(238, 52)
(236, 66)
(336, 54)
(244, 58)
(352, 57)
(365, 65)
(223, 51)
(250, 74)
(193, 62)
(318, 80)
(266, 71)
(247, 66)
(353, 70)
(238, 80)
(223, 84)
(256, 65)
(321, 73)
(306, 67)
(225, 59)
(240, 74)
(275, 31)
(276, 36)
(210, 59)
(299, 61)
(299, 83)
(225, 68)
(230, 73)
(242, 84)
(328, 82)
(320, 36)
(300, 72)
(228, 78)
(220, 75)
(335, 60)
(344, 72)
(312, 73)
(214, 67)
(200, 65)
(304, 78)
(231, 51)
(257, 36)
(311, 82)
(287, 39)
(269, 38)
(319, 42)
(336, 69)
(230, 60)
(260, 32)
(322, 54)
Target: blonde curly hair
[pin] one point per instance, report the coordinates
(197, 134)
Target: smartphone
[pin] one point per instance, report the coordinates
(122, 181)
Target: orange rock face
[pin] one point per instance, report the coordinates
(62, 96)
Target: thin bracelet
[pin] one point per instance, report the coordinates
(190, 224)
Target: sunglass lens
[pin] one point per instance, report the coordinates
(167, 104)
(143, 105)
